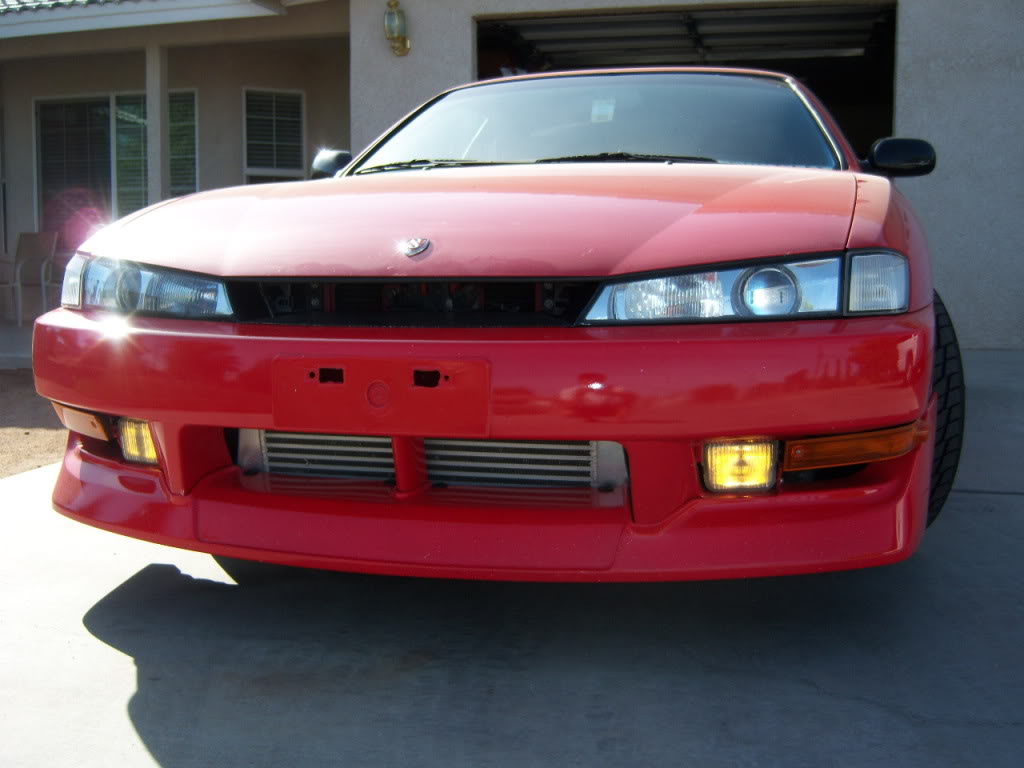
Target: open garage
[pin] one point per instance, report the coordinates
(844, 53)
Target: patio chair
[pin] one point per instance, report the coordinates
(34, 248)
(51, 277)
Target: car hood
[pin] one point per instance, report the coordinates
(515, 221)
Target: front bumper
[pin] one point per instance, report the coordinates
(660, 391)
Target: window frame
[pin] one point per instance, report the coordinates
(832, 140)
(284, 174)
(195, 130)
(111, 97)
(37, 101)
(115, 210)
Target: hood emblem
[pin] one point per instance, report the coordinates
(414, 246)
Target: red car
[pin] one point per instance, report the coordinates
(617, 325)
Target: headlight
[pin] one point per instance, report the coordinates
(129, 288)
(878, 282)
(769, 291)
(699, 295)
(773, 290)
(71, 290)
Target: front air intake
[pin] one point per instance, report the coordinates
(340, 456)
(493, 462)
(449, 462)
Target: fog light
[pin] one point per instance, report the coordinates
(137, 441)
(739, 465)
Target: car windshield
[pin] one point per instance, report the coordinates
(649, 117)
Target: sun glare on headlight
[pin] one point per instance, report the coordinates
(131, 288)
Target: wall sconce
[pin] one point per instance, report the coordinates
(395, 29)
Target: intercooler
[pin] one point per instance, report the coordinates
(449, 462)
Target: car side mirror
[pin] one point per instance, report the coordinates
(901, 157)
(328, 162)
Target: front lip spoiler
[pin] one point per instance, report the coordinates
(850, 526)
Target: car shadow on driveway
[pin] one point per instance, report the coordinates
(917, 663)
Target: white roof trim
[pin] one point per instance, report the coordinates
(118, 15)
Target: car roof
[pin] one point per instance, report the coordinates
(633, 71)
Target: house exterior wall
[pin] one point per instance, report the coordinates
(25, 83)
(317, 19)
(306, 50)
(443, 34)
(958, 66)
(958, 75)
(318, 68)
(218, 74)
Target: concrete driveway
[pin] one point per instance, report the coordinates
(118, 653)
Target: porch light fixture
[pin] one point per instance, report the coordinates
(395, 29)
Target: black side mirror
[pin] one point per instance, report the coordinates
(328, 162)
(901, 157)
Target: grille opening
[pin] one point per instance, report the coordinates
(473, 303)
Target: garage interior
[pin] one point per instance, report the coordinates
(844, 53)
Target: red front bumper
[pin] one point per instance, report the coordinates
(660, 391)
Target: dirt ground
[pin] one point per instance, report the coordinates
(30, 434)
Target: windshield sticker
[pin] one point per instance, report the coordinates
(602, 111)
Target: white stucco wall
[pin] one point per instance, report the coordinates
(960, 70)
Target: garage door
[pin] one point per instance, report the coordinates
(845, 53)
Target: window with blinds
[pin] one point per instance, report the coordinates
(274, 145)
(130, 153)
(183, 143)
(74, 170)
(93, 163)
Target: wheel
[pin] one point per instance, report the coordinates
(948, 385)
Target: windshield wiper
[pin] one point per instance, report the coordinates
(627, 157)
(600, 157)
(425, 163)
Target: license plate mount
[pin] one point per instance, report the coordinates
(382, 396)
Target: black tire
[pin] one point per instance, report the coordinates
(948, 385)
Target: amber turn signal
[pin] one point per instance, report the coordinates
(83, 423)
(862, 448)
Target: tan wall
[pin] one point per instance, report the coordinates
(443, 34)
(218, 73)
(321, 19)
(315, 61)
(24, 81)
(319, 68)
(57, 66)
